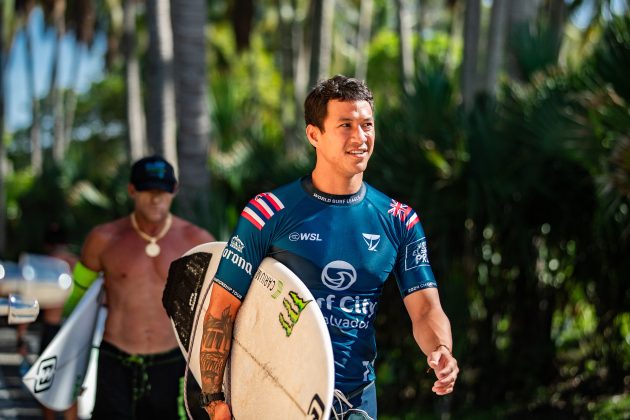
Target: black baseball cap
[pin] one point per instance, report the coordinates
(153, 173)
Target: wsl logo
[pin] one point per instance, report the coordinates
(295, 236)
(339, 275)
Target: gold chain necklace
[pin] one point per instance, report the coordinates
(152, 249)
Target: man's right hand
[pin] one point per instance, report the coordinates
(219, 410)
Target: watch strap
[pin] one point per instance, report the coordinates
(206, 398)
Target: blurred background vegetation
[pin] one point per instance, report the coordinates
(504, 123)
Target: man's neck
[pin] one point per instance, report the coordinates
(148, 227)
(337, 185)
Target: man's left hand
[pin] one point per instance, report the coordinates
(446, 370)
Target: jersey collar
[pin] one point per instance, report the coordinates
(333, 199)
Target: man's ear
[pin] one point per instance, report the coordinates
(131, 189)
(312, 134)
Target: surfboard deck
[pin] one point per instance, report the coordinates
(57, 376)
(281, 363)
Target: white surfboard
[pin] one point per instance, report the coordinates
(57, 377)
(281, 364)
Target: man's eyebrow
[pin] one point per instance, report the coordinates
(340, 119)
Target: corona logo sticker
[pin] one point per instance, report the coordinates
(45, 374)
(293, 311)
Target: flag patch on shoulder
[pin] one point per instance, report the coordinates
(262, 208)
(404, 213)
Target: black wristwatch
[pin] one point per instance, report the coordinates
(206, 398)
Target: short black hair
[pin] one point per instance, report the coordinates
(339, 88)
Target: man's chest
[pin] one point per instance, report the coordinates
(339, 248)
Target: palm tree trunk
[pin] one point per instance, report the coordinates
(56, 93)
(557, 19)
(3, 194)
(37, 158)
(405, 34)
(496, 42)
(71, 96)
(524, 11)
(242, 15)
(521, 15)
(160, 86)
(472, 22)
(363, 38)
(193, 135)
(291, 38)
(85, 15)
(302, 36)
(322, 26)
(135, 110)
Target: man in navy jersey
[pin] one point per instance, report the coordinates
(342, 238)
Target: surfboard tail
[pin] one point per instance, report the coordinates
(186, 277)
(56, 378)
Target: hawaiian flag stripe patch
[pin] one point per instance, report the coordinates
(413, 219)
(404, 213)
(261, 208)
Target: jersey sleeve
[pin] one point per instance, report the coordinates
(248, 244)
(413, 271)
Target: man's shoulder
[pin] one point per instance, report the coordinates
(191, 230)
(103, 236)
(282, 196)
(378, 197)
(266, 207)
(287, 191)
(396, 211)
(113, 227)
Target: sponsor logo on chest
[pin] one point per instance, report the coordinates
(304, 236)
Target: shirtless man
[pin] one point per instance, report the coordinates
(140, 368)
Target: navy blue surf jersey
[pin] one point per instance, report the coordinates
(343, 248)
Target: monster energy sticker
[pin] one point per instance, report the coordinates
(293, 311)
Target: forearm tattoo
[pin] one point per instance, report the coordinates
(215, 349)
